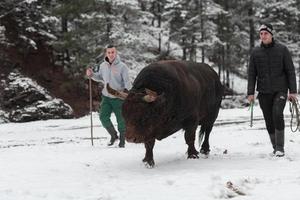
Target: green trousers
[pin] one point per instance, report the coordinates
(107, 107)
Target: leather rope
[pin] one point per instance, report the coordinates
(295, 118)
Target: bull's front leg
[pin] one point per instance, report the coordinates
(148, 160)
(189, 137)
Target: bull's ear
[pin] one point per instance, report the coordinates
(150, 96)
(150, 92)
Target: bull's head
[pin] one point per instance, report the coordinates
(143, 113)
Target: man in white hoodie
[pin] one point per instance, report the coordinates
(114, 72)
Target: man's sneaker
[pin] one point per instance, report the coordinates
(279, 154)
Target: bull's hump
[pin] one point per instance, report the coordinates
(171, 62)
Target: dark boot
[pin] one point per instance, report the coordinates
(122, 140)
(272, 139)
(279, 142)
(113, 135)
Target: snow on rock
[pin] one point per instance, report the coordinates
(3, 117)
(24, 100)
(236, 101)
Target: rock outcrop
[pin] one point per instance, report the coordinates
(23, 100)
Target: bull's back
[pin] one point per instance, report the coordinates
(203, 72)
(207, 79)
(212, 93)
(164, 76)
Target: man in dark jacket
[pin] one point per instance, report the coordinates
(272, 68)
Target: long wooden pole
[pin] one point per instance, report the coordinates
(251, 115)
(91, 109)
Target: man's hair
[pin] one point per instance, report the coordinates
(110, 46)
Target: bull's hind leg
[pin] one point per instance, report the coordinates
(148, 160)
(205, 145)
(189, 137)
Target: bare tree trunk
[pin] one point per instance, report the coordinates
(202, 29)
(299, 75)
(64, 29)
(251, 29)
(223, 64)
(64, 24)
(228, 65)
(193, 50)
(183, 49)
(159, 26)
(108, 29)
(108, 10)
(142, 5)
(219, 65)
(299, 53)
(251, 26)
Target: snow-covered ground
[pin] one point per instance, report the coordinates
(54, 160)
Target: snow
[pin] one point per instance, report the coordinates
(30, 1)
(49, 35)
(31, 29)
(30, 41)
(50, 19)
(54, 159)
(239, 85)
(126, 2)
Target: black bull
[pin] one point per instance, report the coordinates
(168, 96)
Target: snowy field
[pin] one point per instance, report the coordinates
(54, 160)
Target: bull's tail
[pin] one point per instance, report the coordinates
(200, 138)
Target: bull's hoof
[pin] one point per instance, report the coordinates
(193, 153)
(148, 163)
(193, 156)
(204, 152)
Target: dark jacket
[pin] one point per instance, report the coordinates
(272, 68)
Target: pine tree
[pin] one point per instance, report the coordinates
(27, 31)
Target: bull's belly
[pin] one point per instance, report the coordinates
(167, 133)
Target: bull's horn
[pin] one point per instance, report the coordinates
(150, 96)
(123, 95)
(119, 94)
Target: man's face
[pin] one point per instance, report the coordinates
(265, 37)
(111, 54)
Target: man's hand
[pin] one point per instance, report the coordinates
(250, 98)
(292, 97)
(89, 72)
